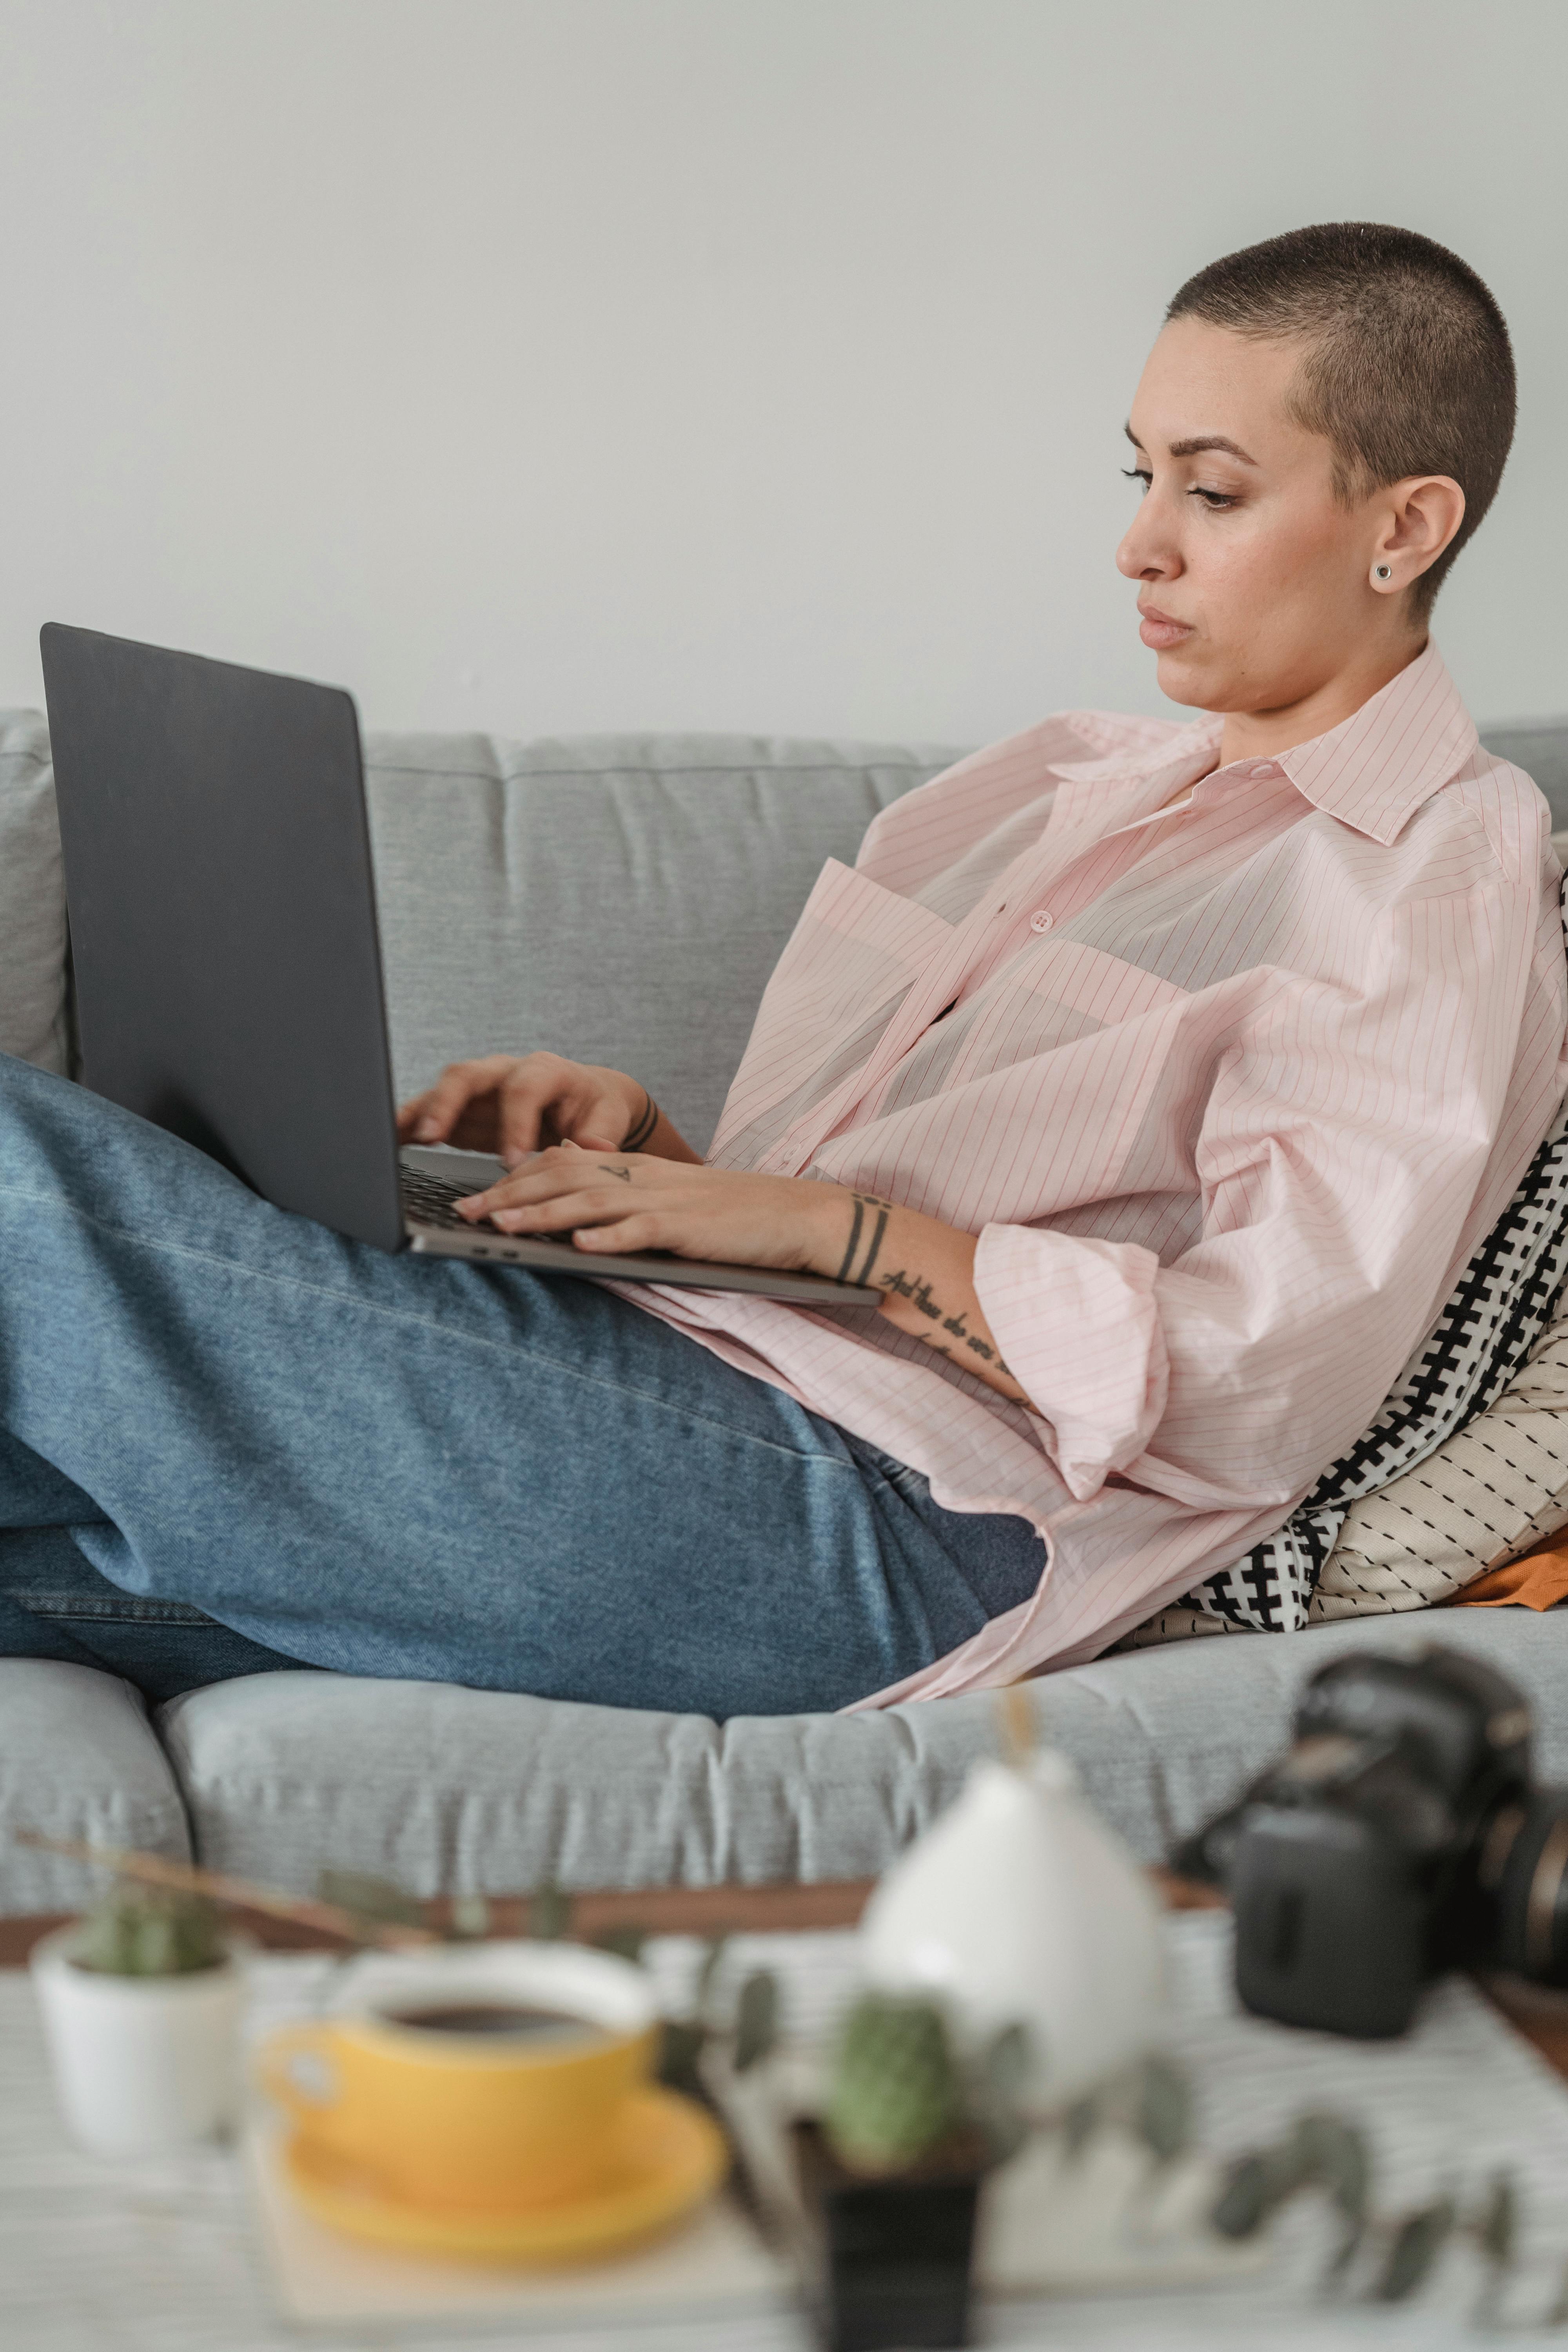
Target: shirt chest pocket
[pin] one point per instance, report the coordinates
(849, 964)
(1077, 990)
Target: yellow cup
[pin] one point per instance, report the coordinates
(450, 2119)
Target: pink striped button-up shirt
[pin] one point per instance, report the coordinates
(1228, 1090)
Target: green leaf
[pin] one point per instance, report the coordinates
(549, 1914)
(706, 1975)
(379, 1900)
(625, 1943)
(756, 2019)
(1165, 2108)
(1243, 2204)
(1006, 2064)
(1007, 2061)
(1255, 2187)
(683, 2044)
(1497, 2225)
(1421, 2238)
(1336, 2153)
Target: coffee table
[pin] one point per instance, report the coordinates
(102, 2259)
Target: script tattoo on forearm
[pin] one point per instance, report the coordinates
(872, 1244)
(919, 1292)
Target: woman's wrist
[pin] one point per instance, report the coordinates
(641, 1130)
(925, 1272)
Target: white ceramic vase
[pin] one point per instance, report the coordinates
(143, 2065)
(1021, 1907)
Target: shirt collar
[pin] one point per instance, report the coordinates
(1179, 754)
(1371, 772)
(1374, 768)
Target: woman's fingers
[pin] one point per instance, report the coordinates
(564, 1103)
(593, 1204)
(515, 1105)
(432, 1116)
(565, 1186)
(639, 1233)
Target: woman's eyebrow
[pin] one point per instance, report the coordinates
(1195, 445)
(1202, 441)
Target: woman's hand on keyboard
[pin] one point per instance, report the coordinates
(515, 1104)
(617, 1202)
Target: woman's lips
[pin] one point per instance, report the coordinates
(1160, 633)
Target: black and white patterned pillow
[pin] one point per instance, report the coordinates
(1499, 1309)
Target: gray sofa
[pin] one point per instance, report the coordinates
(621, 900)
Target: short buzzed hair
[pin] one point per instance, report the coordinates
(1408, 368)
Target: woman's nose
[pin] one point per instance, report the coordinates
(1146, 553)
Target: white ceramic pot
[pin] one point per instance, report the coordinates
(143, 2065)
(1021, 1907)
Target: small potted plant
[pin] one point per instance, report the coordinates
(891, 2171)
(140, 2005)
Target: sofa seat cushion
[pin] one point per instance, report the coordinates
(460, 1792)
(78, 1759)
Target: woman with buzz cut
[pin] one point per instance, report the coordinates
(1161, 1074)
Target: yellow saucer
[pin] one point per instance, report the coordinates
(668, 2155)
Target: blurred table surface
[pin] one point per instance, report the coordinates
(1536, 2011)
(660, 1910)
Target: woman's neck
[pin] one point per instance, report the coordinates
(1263, 734)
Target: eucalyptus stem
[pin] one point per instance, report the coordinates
(236, 1894)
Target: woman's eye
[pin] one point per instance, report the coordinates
(1137, 474)
(1214, 499)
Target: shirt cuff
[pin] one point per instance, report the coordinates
(1078, 1327)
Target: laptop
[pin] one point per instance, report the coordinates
(227, 964)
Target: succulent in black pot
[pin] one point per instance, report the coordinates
(891, 2172)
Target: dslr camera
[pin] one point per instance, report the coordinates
(1400, 1835)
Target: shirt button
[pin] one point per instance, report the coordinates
(1040, 921)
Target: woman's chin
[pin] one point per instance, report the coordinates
(1181, 679)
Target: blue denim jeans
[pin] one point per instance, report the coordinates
(231, 1440)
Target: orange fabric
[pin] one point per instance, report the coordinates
(1539, 1581)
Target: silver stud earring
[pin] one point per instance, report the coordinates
(1382, 571)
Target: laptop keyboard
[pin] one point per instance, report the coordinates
(433, 1199)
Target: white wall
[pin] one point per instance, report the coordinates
(575, 364)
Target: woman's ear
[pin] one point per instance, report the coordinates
(1418, 519)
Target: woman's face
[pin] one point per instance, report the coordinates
(1254, 578)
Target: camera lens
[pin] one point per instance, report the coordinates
(1525, 1859)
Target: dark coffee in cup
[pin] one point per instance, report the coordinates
(508, 2020)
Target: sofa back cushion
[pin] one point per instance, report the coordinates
(620, 900)
(1540, 747)
(33, 1017)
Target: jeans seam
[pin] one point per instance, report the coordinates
(401, 1316)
